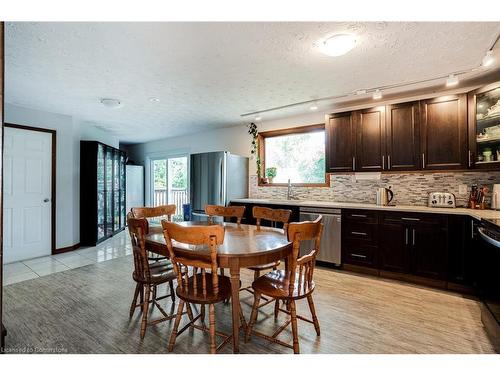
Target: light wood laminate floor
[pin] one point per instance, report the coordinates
(85, 310)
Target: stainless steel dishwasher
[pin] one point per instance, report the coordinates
(330, 250)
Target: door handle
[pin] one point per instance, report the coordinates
(46, 200)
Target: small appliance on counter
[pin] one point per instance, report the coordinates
(438, 199)
(384, 196)
(495, 197)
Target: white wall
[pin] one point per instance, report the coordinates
(89, 132)
(69, 133)
(233, 139)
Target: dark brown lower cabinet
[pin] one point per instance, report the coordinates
(430, 248)
(393, 251)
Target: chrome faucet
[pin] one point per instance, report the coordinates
(289, 190)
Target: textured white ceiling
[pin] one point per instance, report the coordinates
(207, 74)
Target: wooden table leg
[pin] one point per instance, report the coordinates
(235, 305)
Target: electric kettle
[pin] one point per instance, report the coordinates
(384, 196)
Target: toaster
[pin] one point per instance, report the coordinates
(439, 199)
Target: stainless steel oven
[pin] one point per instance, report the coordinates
(330, 250)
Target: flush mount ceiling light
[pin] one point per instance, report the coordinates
(452, 80)
(313, 107)
(111, 103)
(488, 59)
(258, 118)
(154, 100)
(377, 94)
(337, 45)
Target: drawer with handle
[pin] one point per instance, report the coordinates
(360, 216)
(413, 218)
(359, 254)
(361, 232)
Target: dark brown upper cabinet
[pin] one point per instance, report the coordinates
(443, 133)
(340, 145)
(484, 127)
(370, 153)
(402, 136)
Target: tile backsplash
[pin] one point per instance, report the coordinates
(408, 188)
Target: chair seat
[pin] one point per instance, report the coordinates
(195, 295)
(276, 284)
(164, 262)
(161, 272)
(265, 266)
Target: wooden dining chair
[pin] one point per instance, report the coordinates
(197, 279)
(150, 213)
(155, 212)
(274, 216)
(230, 211)
(148, 276)
(291, 285)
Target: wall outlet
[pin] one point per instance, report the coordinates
(462, 189)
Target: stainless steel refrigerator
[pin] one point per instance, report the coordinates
(216, 178)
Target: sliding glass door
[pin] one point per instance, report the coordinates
(169, 182)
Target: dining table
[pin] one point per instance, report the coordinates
(244, 246)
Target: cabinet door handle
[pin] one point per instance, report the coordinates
(353, 163)
(383, 162)
(423, 160)
(358, 215)
(388, 161)
(358, 255)
(413, 237)
(470, 160)
(359, 233)
(472, 229)
(406, 236)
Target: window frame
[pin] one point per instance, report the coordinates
(261, 137)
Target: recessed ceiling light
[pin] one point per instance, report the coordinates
(452, 80)
(337, 45)
(258, 118)
(488, 59)
(377, 94)
(314, 107)
(111, 103)
(154, 100)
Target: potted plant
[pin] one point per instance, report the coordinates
(254, 133)
(271, 173)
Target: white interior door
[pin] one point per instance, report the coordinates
(27, 194)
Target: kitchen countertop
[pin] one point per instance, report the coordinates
(476, 214)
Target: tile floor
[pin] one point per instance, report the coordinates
(115, 247)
